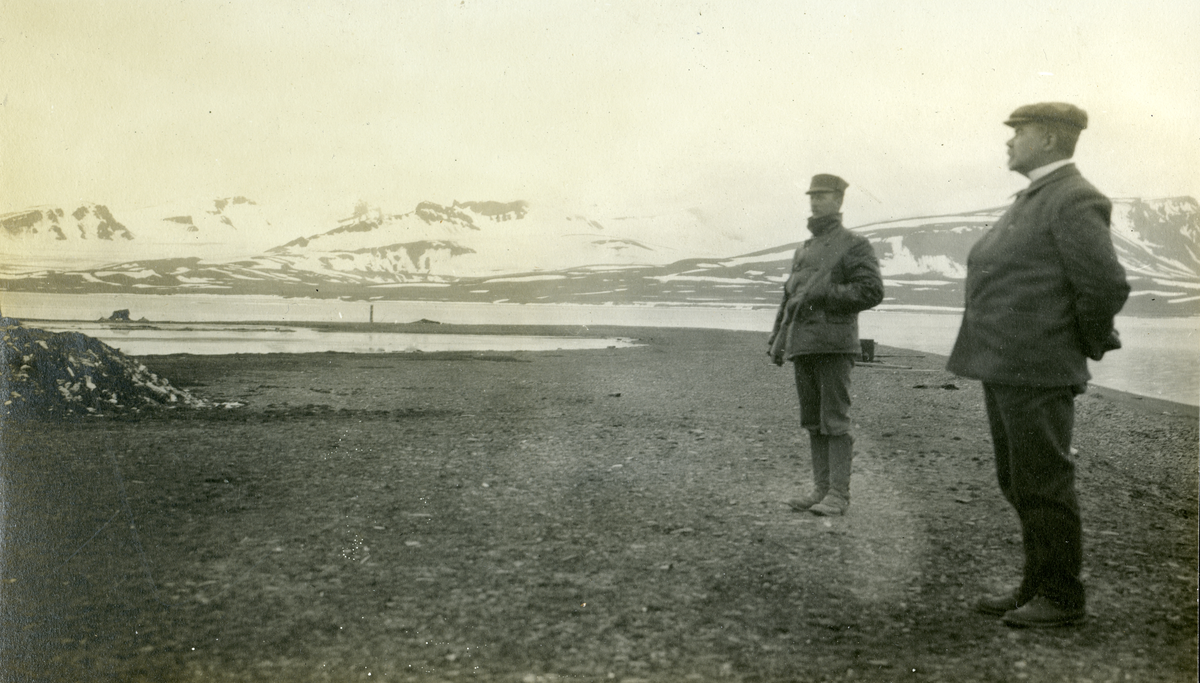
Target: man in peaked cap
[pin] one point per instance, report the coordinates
(1043, 286)
(834, 276)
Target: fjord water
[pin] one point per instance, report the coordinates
(222, 338)
(1160, 358)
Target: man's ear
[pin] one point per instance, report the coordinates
(1050, 141)
(1049, 138)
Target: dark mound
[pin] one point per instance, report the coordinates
(48, 374)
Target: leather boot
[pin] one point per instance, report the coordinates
(841, 452)
(820, 465)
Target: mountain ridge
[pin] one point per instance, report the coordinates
(516, 252)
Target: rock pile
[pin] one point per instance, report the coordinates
(47, 375)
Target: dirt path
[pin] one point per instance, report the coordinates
(603, 515)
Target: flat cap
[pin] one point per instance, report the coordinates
(824, 182)
(1055, 112)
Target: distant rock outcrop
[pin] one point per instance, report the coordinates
(88, 234)
(87, 223)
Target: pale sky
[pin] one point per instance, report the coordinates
(638, 105)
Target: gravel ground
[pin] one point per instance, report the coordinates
(583, 515)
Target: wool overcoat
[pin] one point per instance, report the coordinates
(835, 274)
(1042, 288)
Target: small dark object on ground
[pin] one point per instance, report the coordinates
(868, 350)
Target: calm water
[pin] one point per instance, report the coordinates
(1160, 358)
(222, 338)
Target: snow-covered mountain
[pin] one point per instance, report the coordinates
(923, 260)
(1162, 235)
(223, 224)
(37, 235)
(469, 239)
(90, 235)
(1156, 240)
(514, 252)
(45, 225)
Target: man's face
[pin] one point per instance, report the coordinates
(825, 203)
(1027, 148)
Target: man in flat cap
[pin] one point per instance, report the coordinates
(834, 276)
(1043, 286)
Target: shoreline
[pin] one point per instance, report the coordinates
(1144, 402)
(1139, 402)
(432, 327)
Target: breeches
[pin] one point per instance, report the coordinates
(823, 384)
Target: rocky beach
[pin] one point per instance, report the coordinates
(613, 514)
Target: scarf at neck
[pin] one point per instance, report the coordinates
(823, 224)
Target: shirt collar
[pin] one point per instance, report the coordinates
(1043, 171)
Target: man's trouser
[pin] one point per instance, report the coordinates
(823, 385)
(1031, 435)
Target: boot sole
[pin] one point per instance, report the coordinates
(1057, 623)
(993, 611)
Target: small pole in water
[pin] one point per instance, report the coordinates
(372, 313)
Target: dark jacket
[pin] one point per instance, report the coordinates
(835, 274)
(1042, 288)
